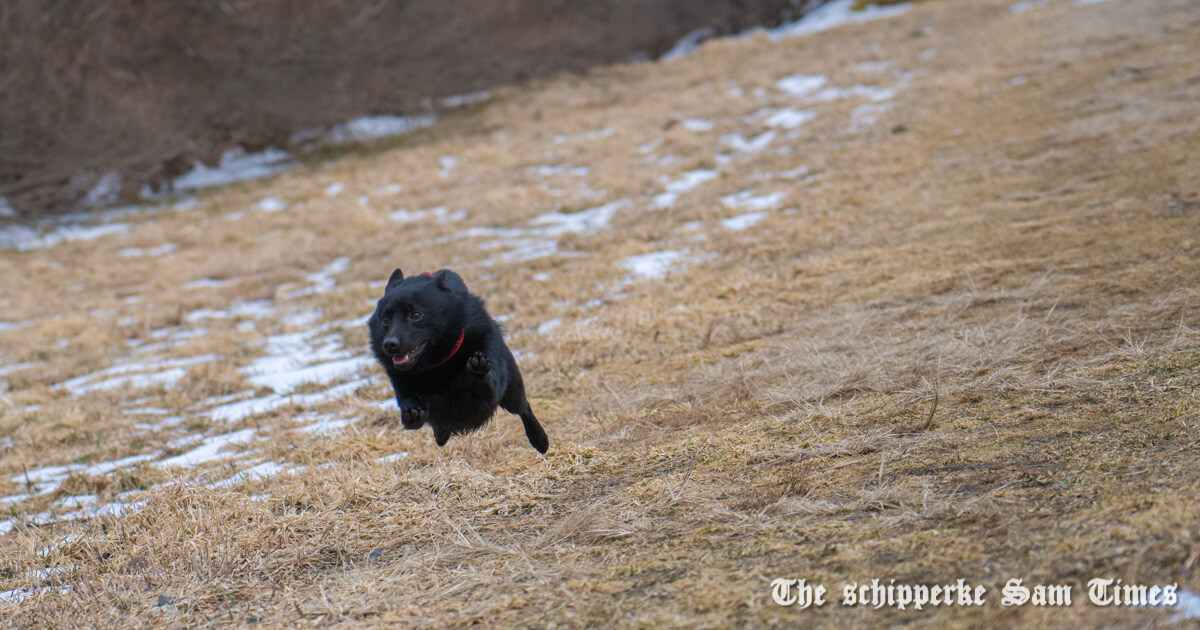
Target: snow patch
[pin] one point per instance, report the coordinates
(687, 182)
(652, 265)
(327, 425)
(254, 309)
(871, 92)
(541, 239)
(24, 238)
(758, 143)
(747, 200)
(321, 281)
(834, 14)
(689, 43)
(210, 450)
(106, 191)
(743, 221)
(375, 127)
(270, 204)
(265, 470)
(441, 213)
(544, 170)
(790, 118)
(801, 85)
(161, 250)
(134, 375)
(210, 283)
(235, 165)
(459, 100)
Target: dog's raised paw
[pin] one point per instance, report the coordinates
(413, 417)
(478, 364)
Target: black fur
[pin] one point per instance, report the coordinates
(454, 392)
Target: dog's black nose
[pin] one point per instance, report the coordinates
(391, 345)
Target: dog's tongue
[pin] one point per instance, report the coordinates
(407, 357)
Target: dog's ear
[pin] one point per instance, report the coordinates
(450, 281)
(396, 279)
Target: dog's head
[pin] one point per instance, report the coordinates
(420, 320)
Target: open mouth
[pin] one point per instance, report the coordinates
(410, 357)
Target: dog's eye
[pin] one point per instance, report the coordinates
(386, 322)
(415, 316)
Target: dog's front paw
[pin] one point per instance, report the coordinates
(413, 417)
(478, 364)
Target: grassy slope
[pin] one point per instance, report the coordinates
(970, 352)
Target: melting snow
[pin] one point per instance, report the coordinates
(542, 238)
(650, 146)
(738, 143)
(161, 250)
(743, 221)
(867, 113)
(270, 204)
(134, 375)
(24, 238)
(689, 43)
(746, 200)
(21, 594)
(800, 85)
(835, 14)
(15, 367)
(327, 425)
(548, 325)
(210, 283)
(697, 124)
(1026, 5)
(294, 359)
(334, 189)
(652, 265)
(14, 325)
(264, 470)
(442, 214)
(235, 166)
(790, 118)
(690, 180)
(458, 100)
(209, 451)
(872, 92)
(106, 191)
(1187, 605)
(254, 309)
(322, 281)
(375, 127)
(558, 169)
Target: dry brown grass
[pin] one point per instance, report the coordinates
(970, 351)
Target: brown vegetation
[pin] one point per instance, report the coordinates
(965, 346)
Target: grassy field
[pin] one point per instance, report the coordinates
(910, 299)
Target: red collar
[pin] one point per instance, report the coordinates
(462, 335)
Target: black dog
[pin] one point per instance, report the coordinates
(446, 358)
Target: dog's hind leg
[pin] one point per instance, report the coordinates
(533, 430)
(515, 402)
(441, 435)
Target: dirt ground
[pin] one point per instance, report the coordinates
(932, 317)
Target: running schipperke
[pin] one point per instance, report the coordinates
(446, 358)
